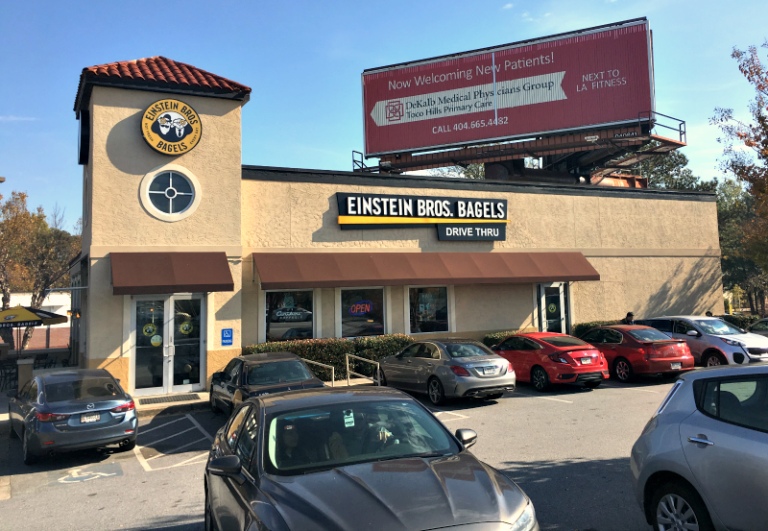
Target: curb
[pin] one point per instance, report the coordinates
(175, 409)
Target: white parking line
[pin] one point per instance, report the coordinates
(176, 450)
(170, 436)
(204, 454)
(173, 451)
(142, 432)
(632, 389)
(554, 399)
(199, 427)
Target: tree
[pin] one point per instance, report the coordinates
(671, 172)
(471, 171)
(745, 151)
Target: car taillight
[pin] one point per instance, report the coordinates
(50, 417)
(510, 369)
(557, 359)
(130, 406)
(459, 371)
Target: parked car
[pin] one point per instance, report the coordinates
(259, 374)
(713, 342)
(702, 459)
(353, 458)
(547, 358)
(759, 327)
(448, 368)
(634, 349)
(71, 410)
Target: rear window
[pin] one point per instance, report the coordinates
(277, 372)
(648, 334)
(563, 341)
(466, 350)
(96, 388)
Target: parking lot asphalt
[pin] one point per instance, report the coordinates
(568, 450)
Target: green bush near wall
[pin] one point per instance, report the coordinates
(333, 352)
(580, 329)
(742, 321)
(497, 337)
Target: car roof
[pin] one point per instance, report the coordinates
(324, 396)
(626, 327)
(725, 371)
(74, 375)
(267, 357)
(449, 340)
(541, 335)
(679, 317)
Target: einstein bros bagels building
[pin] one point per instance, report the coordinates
(188, 254)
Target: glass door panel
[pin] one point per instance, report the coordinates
(150, 344)
(553, 309)
(186, 341)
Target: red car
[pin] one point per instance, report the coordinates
(634, 349)
(545, 358)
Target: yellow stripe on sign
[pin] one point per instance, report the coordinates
(373, 220)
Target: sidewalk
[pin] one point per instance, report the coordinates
(5, 450)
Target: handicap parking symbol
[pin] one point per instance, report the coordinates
(89, 473)
(226, 337)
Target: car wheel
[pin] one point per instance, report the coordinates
(592, 385)
(622, 370)
(713, 360)
(210, 524)
(540, 379)
(435, 390)
(382, 379)
(494, 396)
(212, 399)
(26, 452)
(678, 506)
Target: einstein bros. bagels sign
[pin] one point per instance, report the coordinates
(171, 127)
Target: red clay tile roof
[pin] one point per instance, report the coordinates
(156, 72)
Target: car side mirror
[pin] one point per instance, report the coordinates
(467, 437)
(692, 333)
(743, 331)
(227, 466)
(12, 393)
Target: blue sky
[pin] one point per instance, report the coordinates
(306, 58)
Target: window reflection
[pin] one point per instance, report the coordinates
(289, 315)
(429, 309)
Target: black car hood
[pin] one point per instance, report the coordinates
(256, 390)
(412, 494)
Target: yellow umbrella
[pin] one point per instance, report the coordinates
(21, 317)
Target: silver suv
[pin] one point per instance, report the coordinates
(701, 462)
(712, 341)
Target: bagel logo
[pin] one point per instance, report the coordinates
(171, 127)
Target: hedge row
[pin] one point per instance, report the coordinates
(580, 329)
(742, 321)
(333, 352)
(497, 337)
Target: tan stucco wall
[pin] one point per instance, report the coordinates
(493, 307)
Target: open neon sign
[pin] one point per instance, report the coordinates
(361, 308)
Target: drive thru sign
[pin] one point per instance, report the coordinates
(590, 78)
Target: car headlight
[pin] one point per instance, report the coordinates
(526, 521)
(733, 342)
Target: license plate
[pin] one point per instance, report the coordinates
(489, 370)
(87, 418)
(676, 365)
(586, 361)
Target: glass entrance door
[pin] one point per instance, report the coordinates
(168, 334)
(553, 308)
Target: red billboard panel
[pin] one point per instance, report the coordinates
(586, 79)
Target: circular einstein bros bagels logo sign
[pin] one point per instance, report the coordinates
(171, 127)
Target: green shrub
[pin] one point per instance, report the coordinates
(333, 352)
(497, 337)
(580, 329)
(741, 320)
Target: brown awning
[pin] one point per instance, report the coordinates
(326, 270)
(151, 273)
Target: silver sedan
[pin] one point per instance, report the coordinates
(448, 368)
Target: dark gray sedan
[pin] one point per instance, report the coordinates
(448, 368)
(72, 410)
(353, 459)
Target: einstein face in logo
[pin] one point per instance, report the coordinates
(171, 126)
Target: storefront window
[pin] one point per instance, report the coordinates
(362, 312)
(289, 315)
(428, 309)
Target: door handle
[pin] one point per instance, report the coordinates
(409, 361)
(699, 440)
(429, 364)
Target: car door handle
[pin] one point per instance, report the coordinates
(429, 364)
(699, 440)
(409, 361)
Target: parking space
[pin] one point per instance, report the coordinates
(169, 442)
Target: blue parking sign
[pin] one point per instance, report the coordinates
(226, 337)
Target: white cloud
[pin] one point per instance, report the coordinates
(12, 118)
(547, 14)
(508, 6)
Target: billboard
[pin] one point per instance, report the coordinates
(590, 78)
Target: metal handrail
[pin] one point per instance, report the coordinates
(375, 379)
(651, 118)
(333, 378)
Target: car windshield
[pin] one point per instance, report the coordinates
(648, 334)
(98, 387)
(322, 438)
(277, 372)
(716, 327)
(563, 341)
(466, 350)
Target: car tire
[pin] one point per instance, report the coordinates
(212, 400)
(494, 396)
(210, 523)
(540, 379)
(382, 379)
(27, 455)
(671, 500)
(435, 391)
(713, 359)
(592, 385)
(622, 370)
